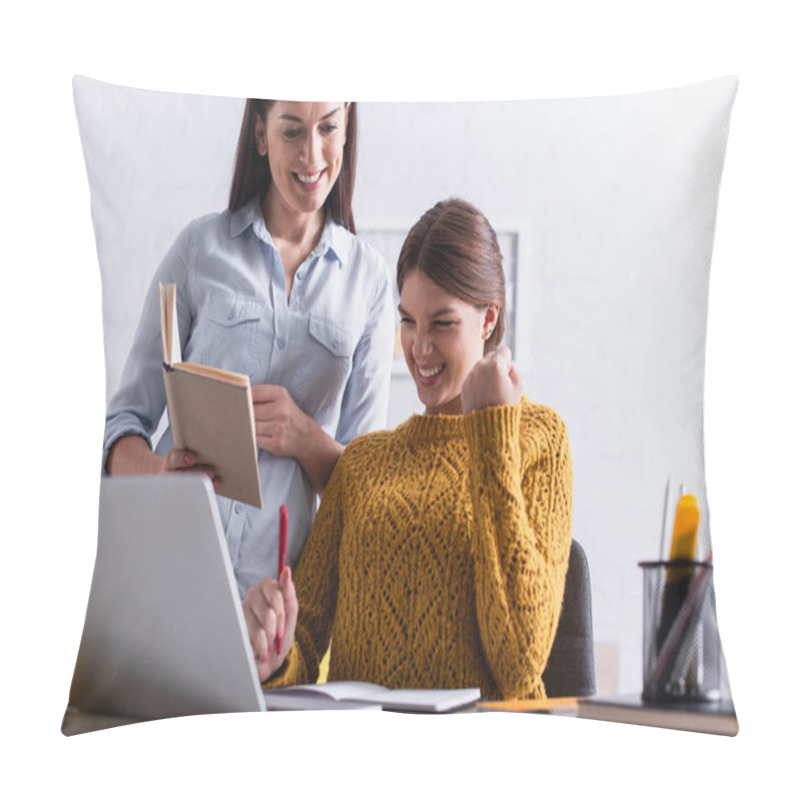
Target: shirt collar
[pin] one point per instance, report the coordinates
(333, 238)
(244, 217)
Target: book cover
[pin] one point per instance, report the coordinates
(211, 413)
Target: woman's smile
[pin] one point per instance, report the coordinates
(428, 376)
(309, 181)
(442, 339)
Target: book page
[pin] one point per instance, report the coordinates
(170, 336)
(234, 378)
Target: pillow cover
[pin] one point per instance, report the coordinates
(605, 209)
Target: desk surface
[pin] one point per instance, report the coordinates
(717, 717)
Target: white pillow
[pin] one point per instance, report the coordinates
(606, 209)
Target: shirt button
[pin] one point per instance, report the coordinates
(231, 314)
(300, 275)
(281, 342)
(237, 508)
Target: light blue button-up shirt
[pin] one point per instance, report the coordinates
(330, 346)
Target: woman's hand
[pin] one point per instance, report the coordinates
(280, 425)
(185, 461)
(131, 455)
(283, 429)
(493, 381)
(270, 611)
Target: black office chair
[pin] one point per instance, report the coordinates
(570, 668)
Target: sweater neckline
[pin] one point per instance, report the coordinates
(438, 427)
(424, 427)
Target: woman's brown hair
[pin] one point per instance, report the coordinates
(251, 175)
(454, 245)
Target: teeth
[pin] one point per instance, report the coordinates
(309, 178)
(429, 373)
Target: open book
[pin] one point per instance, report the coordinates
(328, 695)
(211, 412)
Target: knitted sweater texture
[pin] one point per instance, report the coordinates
(439, 554)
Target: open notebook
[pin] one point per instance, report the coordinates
(165, 635)
(330, 695)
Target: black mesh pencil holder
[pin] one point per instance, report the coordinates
(681, 647)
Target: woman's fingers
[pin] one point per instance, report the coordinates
(269, 420)
(267, 393)
(493, 381)
(186, 461)
(265, 616)
(281, 427)
(255, 614)
(270, 612)
(179, 459)
(291, 610)
(503, 358)
(258, 637)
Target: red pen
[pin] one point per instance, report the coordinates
(282, 551)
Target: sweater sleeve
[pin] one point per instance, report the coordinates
(316, 583)
(520, 480)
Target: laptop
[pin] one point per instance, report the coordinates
(164, 634)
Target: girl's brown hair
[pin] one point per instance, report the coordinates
(251, 175)
(454, 245)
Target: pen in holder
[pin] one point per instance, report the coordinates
(681, 649)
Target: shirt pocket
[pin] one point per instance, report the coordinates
(230, 326)
(318, 377)
(336, 340)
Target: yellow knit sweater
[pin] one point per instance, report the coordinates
(438, 555)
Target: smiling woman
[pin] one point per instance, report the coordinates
(442, 337)
(277, 279)
(253, 172)
(452, 300)
(439, 554)
(305, 155)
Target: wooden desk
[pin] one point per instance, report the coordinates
(707, 717)
(717, 717)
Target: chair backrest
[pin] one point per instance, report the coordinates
(570, 668)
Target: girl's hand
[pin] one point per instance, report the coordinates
(493, 381)
(270, 611)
